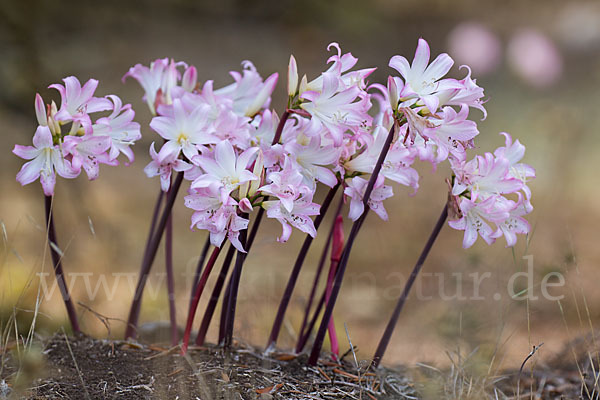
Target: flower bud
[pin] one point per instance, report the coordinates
(40, 110)
(292, 77)
(52, 122)
(393, 93)
(337, 243)
(303, 85)
(245, 205)
(190, 78)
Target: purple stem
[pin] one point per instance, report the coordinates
(159, 200)
(233, 290)
(318, 344)
(291, 284)
(197, 293)
(214, 298)
(313, 290)
(199, 266)
(224, 311)
(171, 280)
(226, 328)
(304, 337)
(57, 263)
(279, 130)
(134, 312)
(385, 339)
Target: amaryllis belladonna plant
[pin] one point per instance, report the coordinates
(68, 141)
(241, 161)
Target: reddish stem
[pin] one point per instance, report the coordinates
(236, 276)
(337, 246)
(199, 266)
(214, 298)
(155, 212)
(304, 337)
(291, 284)
(337, 285)
(171, 280)
(301, 338)
(197, 294)
(57, 263)
(385, 339)
(134, 312)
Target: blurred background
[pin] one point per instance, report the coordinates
(538, 60)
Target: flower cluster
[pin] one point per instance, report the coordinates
(480, 188)
(67, 140)
(431, 113)
(238, 154)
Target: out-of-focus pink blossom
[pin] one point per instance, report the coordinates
(535, 58)
(477, 46)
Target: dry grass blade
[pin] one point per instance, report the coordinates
(85, 389)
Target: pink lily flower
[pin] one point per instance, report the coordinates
(452, 133)
(226, 170)
(217, 214)
(287, 185)
(183, 131)
(77, 102)
(313, 158)
(423, 81)
(514, 152)
(336, 108)
(121, 129)
(355, 190)
(87, 152)
(473, 221)
(46, 158)
(485, 176)
(249, 93)
(340, 66)
(298, 217)
(397, 164)
(157, 81)
(164, 168)
(469, 94)
(515, 223)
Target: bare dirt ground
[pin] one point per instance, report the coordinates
(86, 368)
